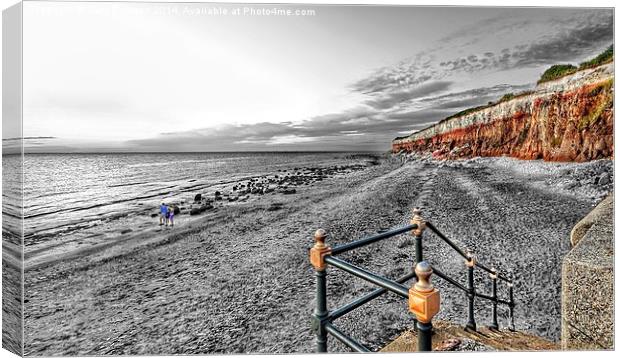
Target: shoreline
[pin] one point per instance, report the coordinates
(240, 190)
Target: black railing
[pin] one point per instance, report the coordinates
(322, 256)
(471, 263)
(372, 239)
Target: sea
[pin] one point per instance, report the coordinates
(74, 196)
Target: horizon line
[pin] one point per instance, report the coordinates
(207, 152)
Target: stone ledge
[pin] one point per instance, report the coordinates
(587, 282)
(603, 209)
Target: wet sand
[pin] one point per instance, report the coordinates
(238, 279)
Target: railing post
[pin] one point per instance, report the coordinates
(493, 276)
(424, 303)
(317, 255)
(511, 307)
(471, 292)
(417, 233)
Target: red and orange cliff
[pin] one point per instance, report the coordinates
(568, 119)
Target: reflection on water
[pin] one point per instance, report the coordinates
(12, 198)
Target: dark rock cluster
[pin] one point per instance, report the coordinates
(282, 182)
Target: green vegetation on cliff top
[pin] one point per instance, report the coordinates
(605, 57)
(556, 71)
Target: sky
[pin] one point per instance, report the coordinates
(209, 77)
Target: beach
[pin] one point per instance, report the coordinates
(76, 203)
(237, 279)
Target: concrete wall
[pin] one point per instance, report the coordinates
(588, 282)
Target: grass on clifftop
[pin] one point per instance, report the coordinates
(467, 111)
(556, 71)
(605, 57)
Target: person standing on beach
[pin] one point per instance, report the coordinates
(163, 217)
(171, 216)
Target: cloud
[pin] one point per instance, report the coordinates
(474, 96)
(474, 32)
(589, 34)
(566, 41)
(557, 38)
(290, 139)
(404, 75)
(361, 128)
(369, 126)
(29, 143)
(26, 138)
(390, 99)
(474, 63)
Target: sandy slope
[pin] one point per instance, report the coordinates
(243, 283)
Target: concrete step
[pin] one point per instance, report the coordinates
(451, 337)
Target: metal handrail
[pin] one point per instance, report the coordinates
(471, 291)
(369, 240)
(449, 279)
(348, 341)
(341, 311)
(388, 284)
(462, 253)
(422, 302)
(448, 241)
(465, 289)
(490, 298)
(499, 276)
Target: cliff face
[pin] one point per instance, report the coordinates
(569, 119)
